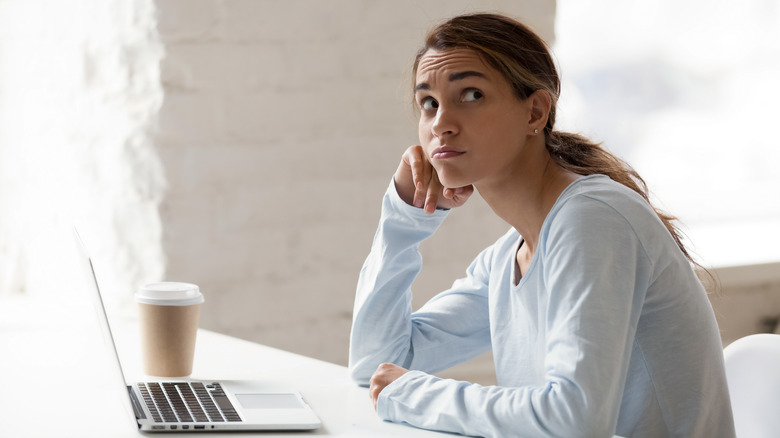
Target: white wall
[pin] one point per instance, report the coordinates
(281, 125)
(243, 145)
(79, 97)
(280, 130)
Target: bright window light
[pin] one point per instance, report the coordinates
(687, 92)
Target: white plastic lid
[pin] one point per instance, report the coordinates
(169, 293)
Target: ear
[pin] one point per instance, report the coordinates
(540, 102)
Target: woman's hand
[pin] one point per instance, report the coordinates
(384, 375)
(418, 184)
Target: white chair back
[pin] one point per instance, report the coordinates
(753, 374)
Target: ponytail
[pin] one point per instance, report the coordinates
(523, 58)
(579, 155)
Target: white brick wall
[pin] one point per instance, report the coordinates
(281, 127)
(79, 96)
(277, 125)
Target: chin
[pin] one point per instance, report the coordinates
(452, 181)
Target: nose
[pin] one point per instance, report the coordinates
(444, 123)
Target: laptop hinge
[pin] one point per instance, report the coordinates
(139, 412)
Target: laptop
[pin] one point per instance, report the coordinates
(201, 406)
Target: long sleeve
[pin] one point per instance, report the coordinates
(449, 329)
(609, 332)
(584, 300)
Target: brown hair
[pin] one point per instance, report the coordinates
(523, 58)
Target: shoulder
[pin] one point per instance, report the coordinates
(597, 200)
(597, 212)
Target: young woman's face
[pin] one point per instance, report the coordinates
(472, 127)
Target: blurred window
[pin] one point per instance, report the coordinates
(688, 92)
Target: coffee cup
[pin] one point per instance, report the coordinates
(168, 313)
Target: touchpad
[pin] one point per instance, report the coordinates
(269, 401)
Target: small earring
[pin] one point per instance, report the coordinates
(536, 131)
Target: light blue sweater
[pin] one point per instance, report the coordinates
(608, 332)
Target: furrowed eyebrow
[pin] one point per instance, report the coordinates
(465, 74)
(453, 77)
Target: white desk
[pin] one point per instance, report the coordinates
(49, 350)
(58, 382)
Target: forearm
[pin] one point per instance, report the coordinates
(382, 327)
(559, 408)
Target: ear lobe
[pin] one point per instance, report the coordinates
(541, 103)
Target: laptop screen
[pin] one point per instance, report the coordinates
(105, 327)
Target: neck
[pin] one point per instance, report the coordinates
(524, 196)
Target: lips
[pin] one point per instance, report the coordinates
(445, 152)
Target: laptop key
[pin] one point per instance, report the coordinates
(227, 408)
(179, 407)
(188, 402)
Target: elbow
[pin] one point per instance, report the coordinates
(358, 368)
(581, 426)
(363, 362)
(359, 376)
(576, 414)
(592, 427)
(359, 372)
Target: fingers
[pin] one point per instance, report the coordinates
(384, 375)
(417, 183)
(376, 385)
(432, 193)
(427, 187)
(458, 196)
(410, 175)
(452, 193)
(421, 174)
(374, 389)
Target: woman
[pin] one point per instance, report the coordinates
(597, 321)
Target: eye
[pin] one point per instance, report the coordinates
(428, 103)
(471, 95)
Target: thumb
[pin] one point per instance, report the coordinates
(459, 195)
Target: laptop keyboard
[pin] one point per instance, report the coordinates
(187, 402)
